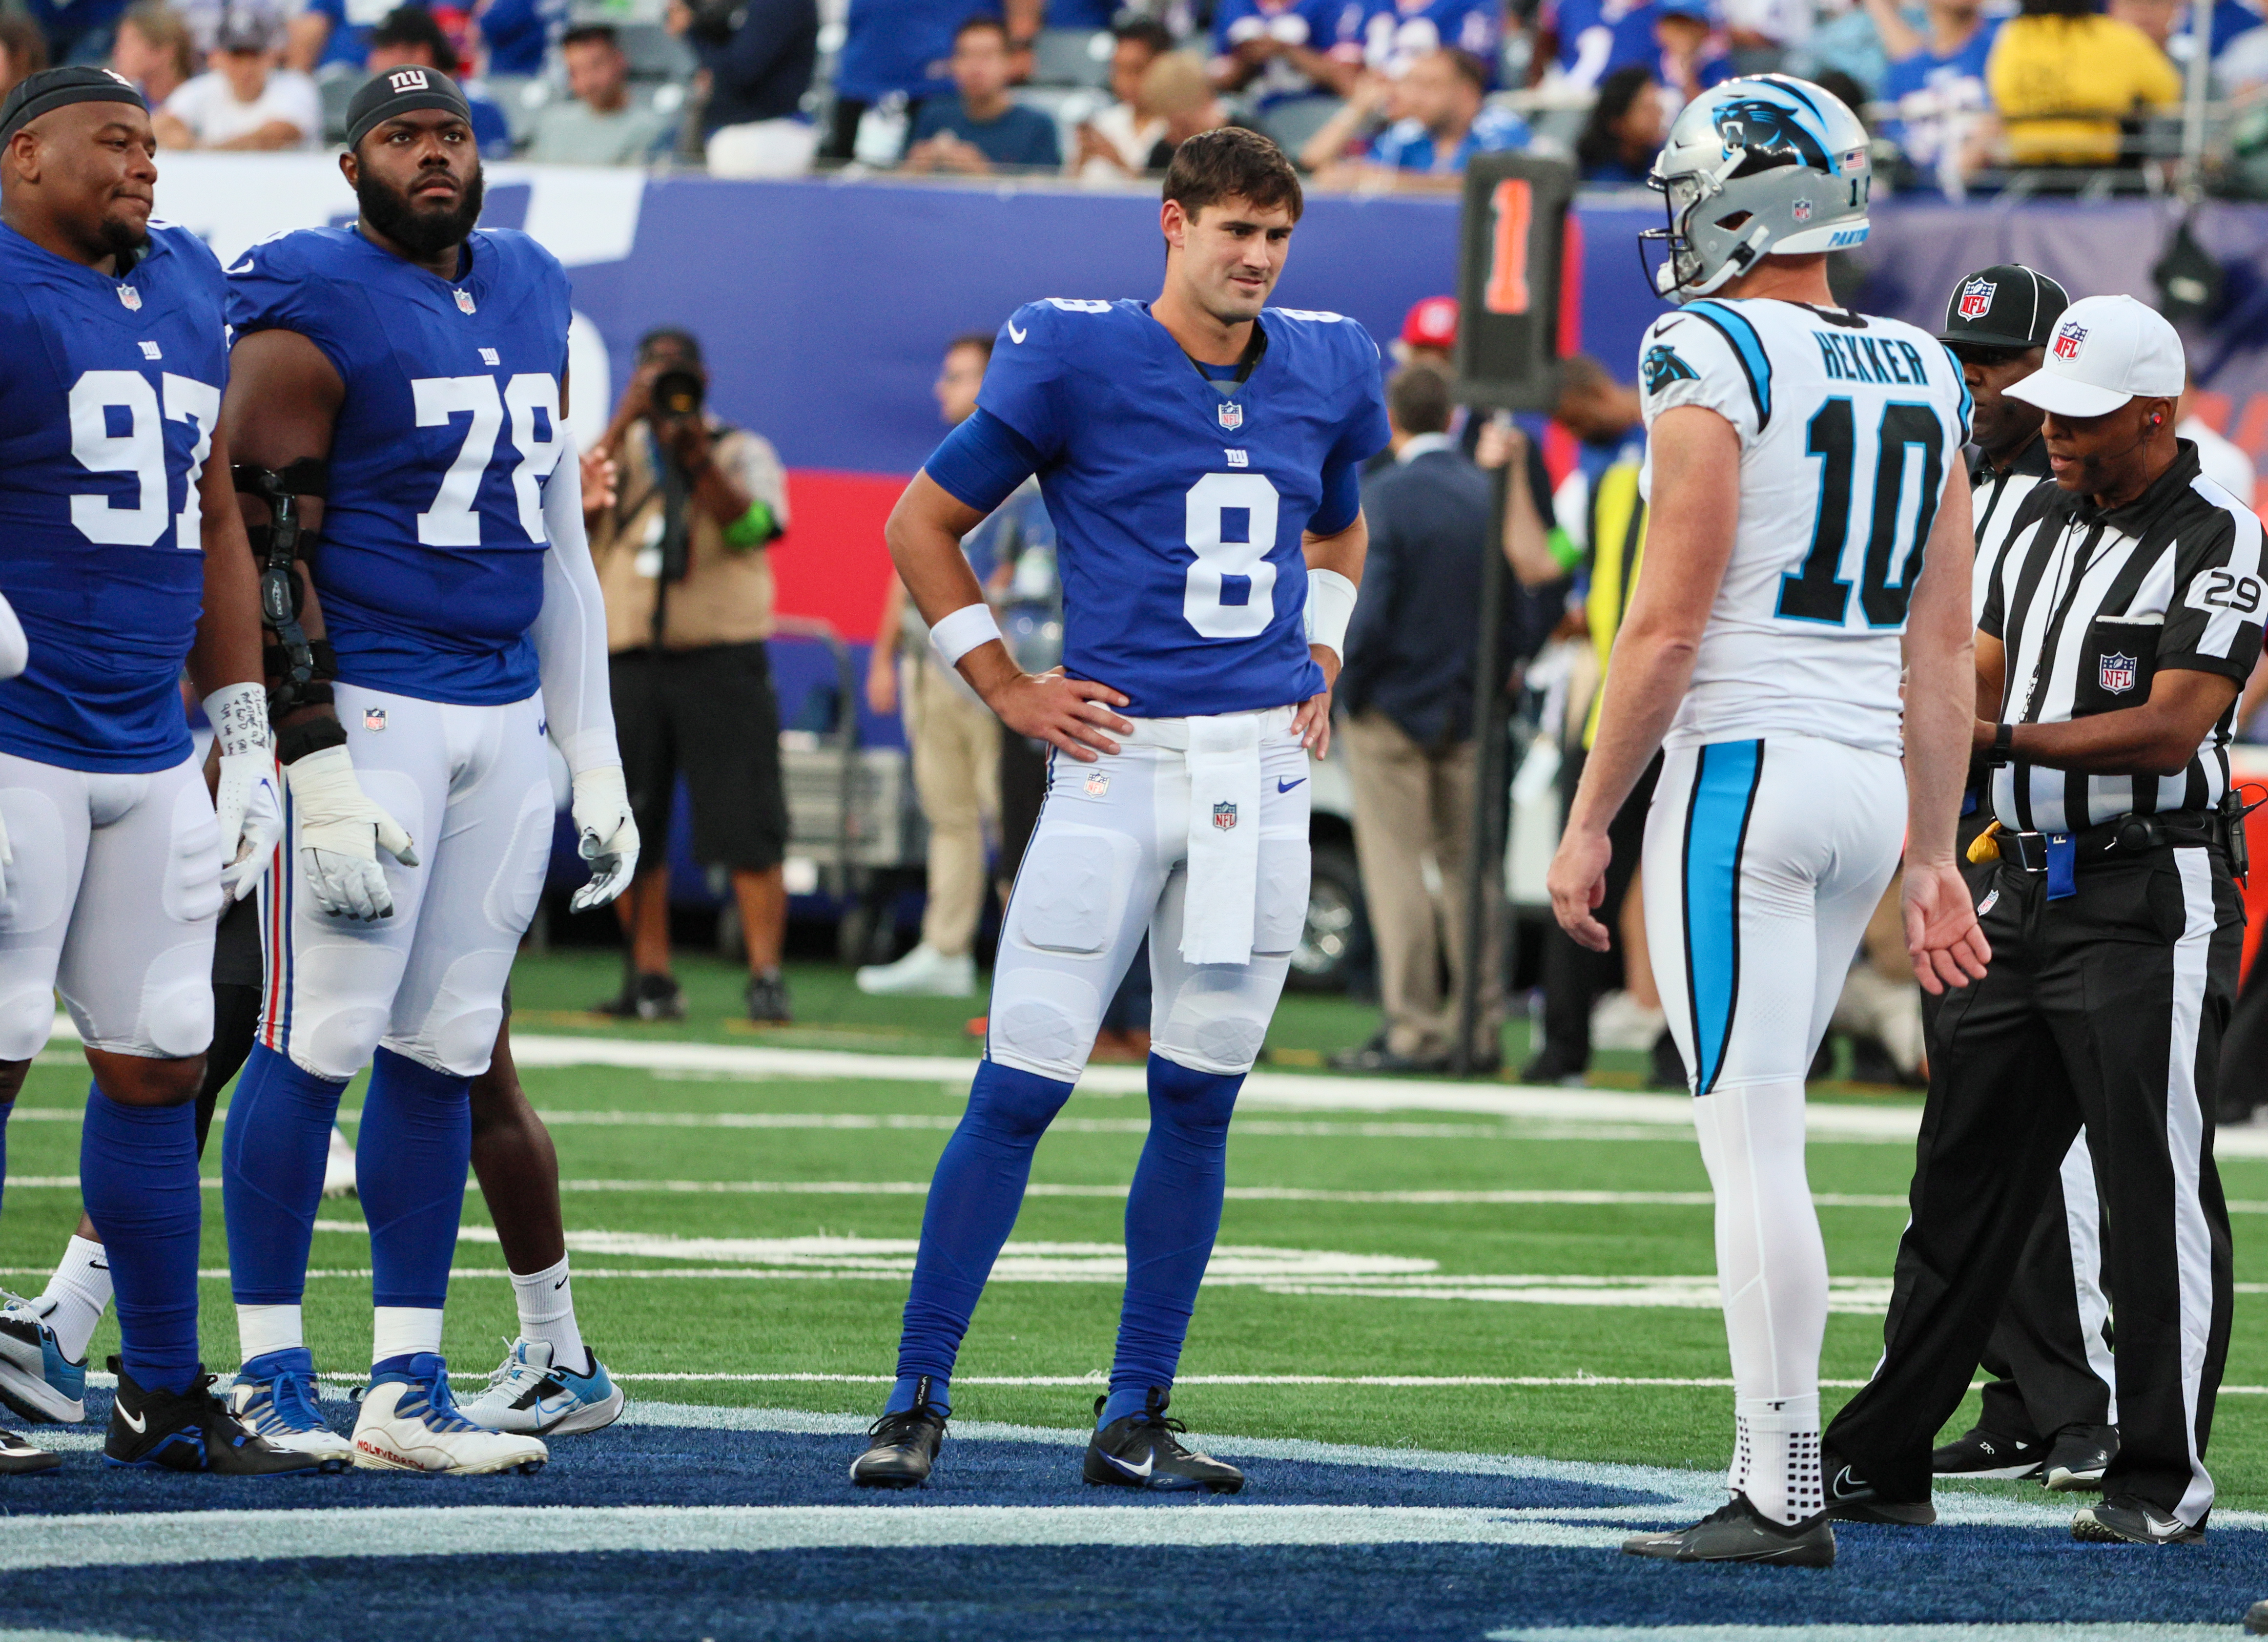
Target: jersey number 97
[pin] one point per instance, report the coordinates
(104, 401)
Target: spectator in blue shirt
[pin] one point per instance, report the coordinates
(1276, 49)
(898, 48)
(519, 35)
(75, 31)
(1593, 38)
(1624, 130)
(331, 31)
(1936, 82)
(1444, 120)
(1693, 53)
(760, 57)
(1397, 32)
(983, 127)
(410, 36)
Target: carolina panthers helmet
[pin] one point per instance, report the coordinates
(1767, 165)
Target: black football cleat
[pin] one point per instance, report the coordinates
(193, 1430)
(2126, 1521)
(901, 1448)
(1741, 1533)
(2077, 1458)
(1144, 1450)
(1980, 1454)
(1852, 1498)
(19, 1458)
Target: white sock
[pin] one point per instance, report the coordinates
(1771, 1270)
(547, 1313)
(260, 1330)
(77, 1295)
(404, 1331)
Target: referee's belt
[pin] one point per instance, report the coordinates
(2058, 854)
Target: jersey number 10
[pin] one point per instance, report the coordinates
(1815, 592)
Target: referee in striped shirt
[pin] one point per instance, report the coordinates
(2125, 618)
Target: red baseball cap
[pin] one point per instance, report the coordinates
(1432, 323)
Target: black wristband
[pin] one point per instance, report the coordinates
(312, 736)
(2004, 739)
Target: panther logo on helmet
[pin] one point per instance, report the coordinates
(1763, 127)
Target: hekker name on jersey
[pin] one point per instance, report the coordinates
(1849, 426)
(431, 560)
(1179, 500)
(110, 387)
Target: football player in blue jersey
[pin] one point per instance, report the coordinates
(411, 371)
(126, 560)
(1199, 456)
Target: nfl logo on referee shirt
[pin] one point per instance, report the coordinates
(1232, 417)
(1977, 298)
(2068, 340)
(2118, 674)
(1224, 817)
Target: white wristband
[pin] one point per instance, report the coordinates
(238, 714)
(965, 629)
(1330, 607)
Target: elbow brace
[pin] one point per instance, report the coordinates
(302, 669)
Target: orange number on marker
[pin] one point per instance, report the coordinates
(1513, 207)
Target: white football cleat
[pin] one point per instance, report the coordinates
(339, 1167)
(528, 1393)
(925, 972)
(409, 1423)
(274, 1396)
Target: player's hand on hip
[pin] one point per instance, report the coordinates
(251, 817)
(1071, 714)
(1578, 883)
(341, 833)
(607, 835)
(1312, 723)
(1943, 938)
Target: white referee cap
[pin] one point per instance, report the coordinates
(2104, 351)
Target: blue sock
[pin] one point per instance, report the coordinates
(137, 1170)
(1173, 1215)
(916, 1388)
(973, 1199)
(271, 1171)
(414, 1144)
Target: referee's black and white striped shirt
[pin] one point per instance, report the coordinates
(1997, 496)
(2092, 604)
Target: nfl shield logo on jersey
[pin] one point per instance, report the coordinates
(464, 301)
(1977, 298)
(1224, 816)
(2069, 339)
(2118, 674)
(131, 298)
(1232, 417)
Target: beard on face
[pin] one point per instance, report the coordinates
(422, 231)
(122, 239)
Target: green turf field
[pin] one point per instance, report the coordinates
(643, 1153)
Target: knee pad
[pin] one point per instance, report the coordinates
(35, 899)
(512, 894)
(1070, 894)
(27, 1015)
(458, 1035)
(1217, 1022)
(1047, 1026)
(341, 993)
(177, 1000)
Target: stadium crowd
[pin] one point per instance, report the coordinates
(1960, 95)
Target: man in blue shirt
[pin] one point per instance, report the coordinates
(1445, 122)
(1936, 80)
(897, 49)
(983, 127)
(1275, 49)
(1593, 38)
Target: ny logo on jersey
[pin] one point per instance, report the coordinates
(2069, 339)
(1224, 817)
(409, 80)
(1232, 417)
(1977, 298)
(1663, 366)
(2118, 674)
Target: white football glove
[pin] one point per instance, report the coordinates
(245, 802)
(602, 808)
(341, 832)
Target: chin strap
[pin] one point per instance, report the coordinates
(301, 670)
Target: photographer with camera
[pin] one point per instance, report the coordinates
(681, 561)
(757, 58)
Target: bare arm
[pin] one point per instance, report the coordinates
(1900, 39)
(1697, 504)
(171, 131)
(1330, 140)
(273, 135)
(1942, 939)
(924, 535)
(882, 661)
(304, 36)
(1329, 73)
(2157, 738)
(1991, 676)
(1343, 553)
(1526, 542)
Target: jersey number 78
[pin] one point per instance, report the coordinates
(454, 521)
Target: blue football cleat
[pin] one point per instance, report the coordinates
(530, 1395)
(274, 1396)
(36, 1379)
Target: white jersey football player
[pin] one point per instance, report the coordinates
(1810, 530)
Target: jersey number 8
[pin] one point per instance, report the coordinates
(454, 521)
(1229, 522)
(1815, 592)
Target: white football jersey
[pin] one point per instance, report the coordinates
(1849, 426)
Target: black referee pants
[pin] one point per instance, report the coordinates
(2105, 1008)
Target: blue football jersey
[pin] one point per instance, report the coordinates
(431, 560)
(110, 388)
(1178, 502)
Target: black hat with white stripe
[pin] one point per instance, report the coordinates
(2006, 305)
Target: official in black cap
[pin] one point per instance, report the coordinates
(1997, 323)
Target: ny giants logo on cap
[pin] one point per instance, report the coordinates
(1977, 298)
(1224, 817)
(409, 80)
(2118, 674)
(2069, 339)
